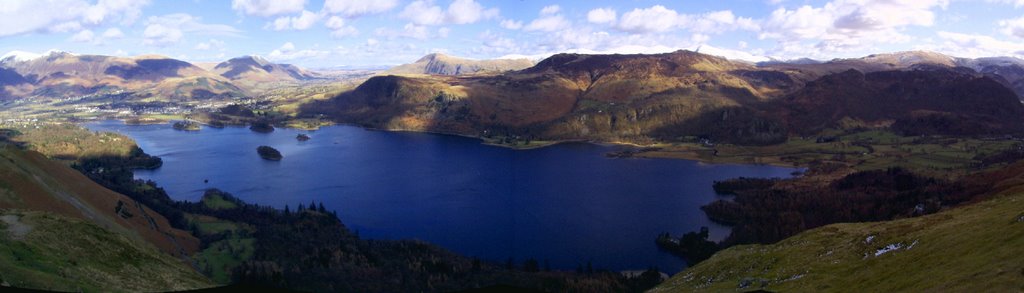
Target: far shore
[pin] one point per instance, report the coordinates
(689, 154)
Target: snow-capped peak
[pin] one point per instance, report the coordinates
(19, 56)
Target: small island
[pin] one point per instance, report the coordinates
(302, 137)
(186, 126)
(269, 153)
(261, 127)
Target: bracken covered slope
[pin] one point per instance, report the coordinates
(975, 248)
(62, 231)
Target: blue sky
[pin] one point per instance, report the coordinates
(326, 33)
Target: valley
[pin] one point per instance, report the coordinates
(565, 124)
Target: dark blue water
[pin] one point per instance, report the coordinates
(567, 203)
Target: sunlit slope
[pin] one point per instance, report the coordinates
(64, 232)
(977, 248)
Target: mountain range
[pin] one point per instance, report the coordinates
(441, 64)
(63, 74)
(669, 96)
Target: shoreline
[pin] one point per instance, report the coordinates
(690, 155)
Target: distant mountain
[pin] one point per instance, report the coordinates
(686, 94)
(257, 69)
(60, 74)
(1007, 70)
(441, 64)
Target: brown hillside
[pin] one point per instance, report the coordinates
(31, 181)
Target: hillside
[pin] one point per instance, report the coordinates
(922, 101)
(255, 69)
(968, 249)
(441, 64)
(65, 232)
(62, 74)
(667, 97)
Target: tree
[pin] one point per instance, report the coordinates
(531, 266)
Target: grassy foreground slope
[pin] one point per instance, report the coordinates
(46, 251)
(976, 248)
(61, 231)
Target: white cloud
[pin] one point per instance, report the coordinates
(355, 8)
(170, 29)
(424, 12)
(1016, 3)
(268, 7)
(287, 47)
(212, 44)
(717, 22)
(88, 36)
(511, 24)
(125, 10)
(601, 15)
(550, 9)
(161, 35)
(410, 30)
(288, 52)
(113, 33)
(339, 29)
(443, 32)
(84, 36)
(846, 25)
(657, 18)
(1013, 27)
(973, 46)
(548, 23)
(304, 21)
(28, 16)
(468, 11)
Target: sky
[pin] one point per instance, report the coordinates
(338, 33)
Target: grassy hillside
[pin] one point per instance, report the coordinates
(42, 250)
(976, 248)
(62, 231)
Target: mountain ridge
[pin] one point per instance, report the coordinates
(442, 64)
(640, 98)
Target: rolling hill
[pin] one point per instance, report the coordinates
(441, 64)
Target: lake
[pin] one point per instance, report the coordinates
(568, 203)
